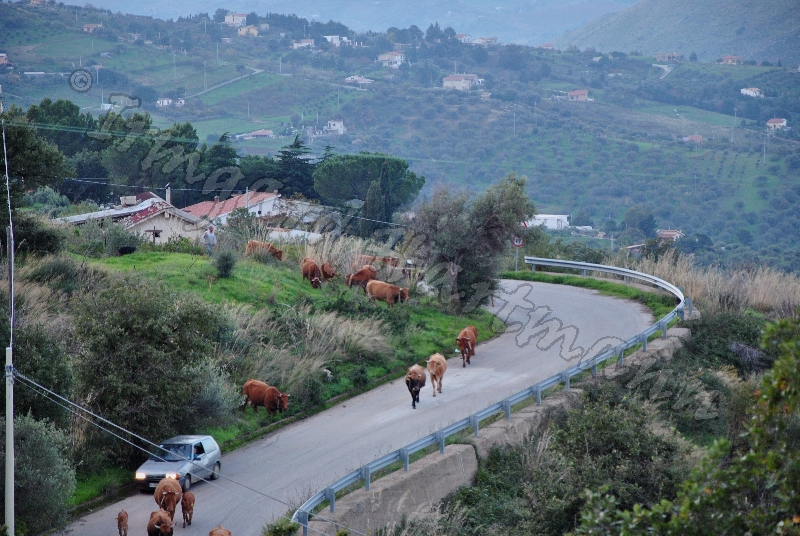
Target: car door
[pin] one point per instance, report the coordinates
(212, 453)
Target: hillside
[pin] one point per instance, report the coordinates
(714, 28)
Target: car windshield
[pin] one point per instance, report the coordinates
(172, 453)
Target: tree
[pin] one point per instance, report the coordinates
(296, 170)
(372, 211)
(641, 217)
(461, 238)
(61, 123)
(693, 56)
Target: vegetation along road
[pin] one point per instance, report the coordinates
(296, 461)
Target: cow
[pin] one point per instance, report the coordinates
(167, 495)
(220, 531)
(160, 524)
(187, 507)
(387, 292)
(254, 246)
(122, 523)
(437, 366)
(126, 250)
(328, 272)
(311, 272)
(466, 343)
(415, 380)
(258, 393)
(361, 277)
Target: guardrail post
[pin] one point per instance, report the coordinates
(440, 438)
(473, 421)
(365, 474)
(688, 302)
(302, 518)
(538, 395)
(594, 367)
(533, 267)
(621, 355)
(663, 326)
(565, 379)
(680, 314)
(404, 457)
(643, 338)
(330, 494)
(627, 279)
(583, 272)
(506, 405)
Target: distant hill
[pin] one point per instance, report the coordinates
(511, 21)
(753, 29)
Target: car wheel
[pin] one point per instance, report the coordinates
(187, 483)
(215, 472)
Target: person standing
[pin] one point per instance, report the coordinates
(210, 240)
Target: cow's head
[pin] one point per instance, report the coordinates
(315, 282)
(283, 402)
(165, 528)
(169, 499)
(463, 343)
(403, 295)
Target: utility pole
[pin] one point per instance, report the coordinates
(174, 70)
(734, 123)
(205, 80)
(765, 149)
(217, 52)
(9, 483)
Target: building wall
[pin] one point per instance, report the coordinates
(171, 227)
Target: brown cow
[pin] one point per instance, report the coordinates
(371, 259)
(220, 531)
(328, 272)
(311, 272)
(160, 524)
(466, 343)
(415, 381)
(122, 523)
(437, 366)
(258, 393)
(387, 292)
(361, 277)
(168, 494)
(187, 507)
(254, 246)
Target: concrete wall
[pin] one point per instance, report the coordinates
(432, 478)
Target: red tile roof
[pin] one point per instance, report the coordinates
(215, 209)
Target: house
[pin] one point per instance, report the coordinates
(257, 203)
(149, 215)
(751, 92)
(134, 36)
(667, 57)
(484, 41)
(776, 123)
(461, 81)
(392, 59)
(335, 126)
(226, 39)
(636, 248)
(163, 102)
(546, 46)
(336, 40)
(263, 26)
(303, 43)
(236, 19)
(697, 138)
(180, 103)
(256, 135)
(731, 60)
(550, 221)
(669, 234)
(580, 95)
(90, 28)
(105, 54)
(4, 58)
(248, 31)
(355, 79)
(464, 38)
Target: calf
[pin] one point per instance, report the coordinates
(437, 366)
(167, 495)
(187, 507)
(254, 246)
(371, 259)
(466, 343)
(220, 531)
(366, 274)
(415, 380)
(328, 272)
(122, 523)
(311, 272)
(160, 524)
(387, 292)
(258, 393)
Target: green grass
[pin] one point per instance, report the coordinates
(96, 483)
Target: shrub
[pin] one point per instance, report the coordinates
(224, 262)
(176, 244)
(98, 238)
(34, 234)
(282, 527)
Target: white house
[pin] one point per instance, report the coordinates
(776, 123)
(461, 81)
(257, 203)
(236, 19)
(392, 59)
(335, 126)
(303, 43)
(163, 102)
(337, 40)
(550, 221)
(464, 38)
(356, 79)
(752, 92)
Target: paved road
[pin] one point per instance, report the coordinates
(548, 326)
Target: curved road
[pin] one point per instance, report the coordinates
(548, 326)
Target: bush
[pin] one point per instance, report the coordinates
(176, 244)
(282, 527)
(224, 262)
(34, 234)
(43, 478)
(97, 238)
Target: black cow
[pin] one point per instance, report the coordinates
(415, 380)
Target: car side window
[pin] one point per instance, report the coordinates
(199, 450)
(209, 445)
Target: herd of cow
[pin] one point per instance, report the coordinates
(162, 522)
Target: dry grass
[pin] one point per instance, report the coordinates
(763, 289)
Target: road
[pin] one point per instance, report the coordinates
(549, 325)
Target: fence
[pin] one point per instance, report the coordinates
(364, 473)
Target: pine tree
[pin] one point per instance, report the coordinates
(373, 209)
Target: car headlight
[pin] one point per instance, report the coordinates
(174, 476)
(140, 476)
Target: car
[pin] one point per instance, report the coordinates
(186, 458)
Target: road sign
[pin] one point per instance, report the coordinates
(517, 241)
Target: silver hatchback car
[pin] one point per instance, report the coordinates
(186, 458)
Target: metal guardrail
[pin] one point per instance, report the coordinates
(364, 472)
